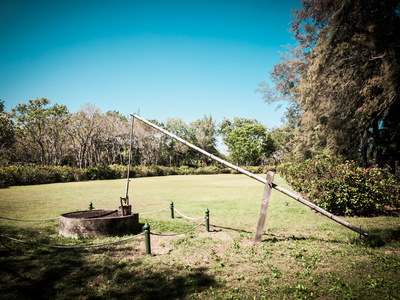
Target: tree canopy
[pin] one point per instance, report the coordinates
(247, 140)
(39, 132)
(7, 135)
(342, 80)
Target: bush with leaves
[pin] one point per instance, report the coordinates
(343, 188)
(36, 174)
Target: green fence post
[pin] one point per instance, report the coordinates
(172, 209)
(207, 220)
(146, 229)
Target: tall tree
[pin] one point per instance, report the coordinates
(247, 140)
(116, 132)
(82, 129)
(205, 136)
(57, 137)
(7, 136)
(36, 130)
(147, 145)
(345, 79)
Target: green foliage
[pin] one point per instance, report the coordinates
(100, 172)
(342, 80)
(247, 140)
(7, 135)
(41, 130)
(204, 131)
(36, 174)
(343, 188)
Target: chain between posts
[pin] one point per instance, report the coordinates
(146, 232)
(69, 247)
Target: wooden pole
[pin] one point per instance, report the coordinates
(264, 206)
(262, 180)
(129, 163)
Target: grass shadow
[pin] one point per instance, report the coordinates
(380, 237)
(36, 272)
(231, 229)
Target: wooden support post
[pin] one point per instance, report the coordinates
(264, 206)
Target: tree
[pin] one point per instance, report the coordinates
(343, 79)
(247, 140)
(177, 152)
(38, 128)
(204, 133)
(7, 136)
(280, 145)
(56, 134)
(82, 129)
(116, 136)
(147, 145)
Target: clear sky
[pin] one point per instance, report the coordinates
(168, 59)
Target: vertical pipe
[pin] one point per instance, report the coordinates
(129, 162)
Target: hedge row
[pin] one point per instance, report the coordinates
(33, 174)
(343, 188)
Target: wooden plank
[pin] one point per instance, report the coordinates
(264, 206)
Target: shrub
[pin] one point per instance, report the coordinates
(33, 174)
(207, 170)
(341, 187)
(100, 172)
(120, 171)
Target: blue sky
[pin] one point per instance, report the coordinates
(168, 59)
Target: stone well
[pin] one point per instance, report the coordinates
(98, 223)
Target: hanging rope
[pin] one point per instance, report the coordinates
(41, 220)
(150, 212)
(186, 216)
(69, 247)
(96, 245)
(180, 233)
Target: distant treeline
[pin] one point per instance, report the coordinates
(48, 135)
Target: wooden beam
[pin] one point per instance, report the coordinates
(264, 206)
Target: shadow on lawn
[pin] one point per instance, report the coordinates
(377, 238)
(30, 272)
(380, 237)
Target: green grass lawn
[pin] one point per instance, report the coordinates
(302, 255)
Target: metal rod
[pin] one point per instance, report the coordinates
(129, 163)
(260, 179)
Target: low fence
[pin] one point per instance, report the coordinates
(146, 231)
